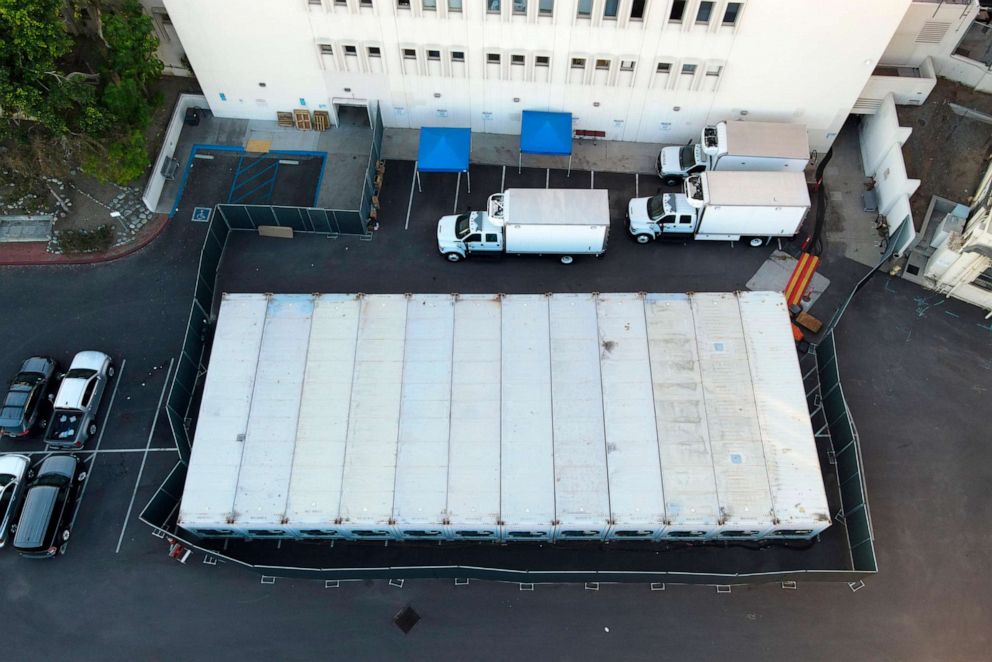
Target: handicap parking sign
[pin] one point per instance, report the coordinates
(201, 214)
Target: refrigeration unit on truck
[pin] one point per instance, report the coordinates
(763, 146)
(565, 222)
(519, 417)
(724, 206)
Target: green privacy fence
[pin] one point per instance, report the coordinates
(227, 218)
(832, 412)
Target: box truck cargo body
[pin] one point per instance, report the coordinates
(564, 222)
(739, 145)
(504, 418)
(724, 206)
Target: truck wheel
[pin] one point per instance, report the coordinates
(672, 181)
(643, 238)
(756, 242)
(453, 257)
(567, 259)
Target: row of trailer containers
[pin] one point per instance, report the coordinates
(504, 417)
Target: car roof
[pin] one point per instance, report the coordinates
(36, 364)
(63, 465)
(35, 516)
(90, 359)
(15, 465)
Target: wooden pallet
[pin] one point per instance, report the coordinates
(285, 119)
(302, 118)
(321, 120)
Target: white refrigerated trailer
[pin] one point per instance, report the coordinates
(504, 417)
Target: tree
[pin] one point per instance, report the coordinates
(131, 45)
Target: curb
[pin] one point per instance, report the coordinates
(109, 256)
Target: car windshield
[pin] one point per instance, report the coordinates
(28, 378)
(656, 206)
(687, 157)
(80, 373)
(462, 227)
(55, 480)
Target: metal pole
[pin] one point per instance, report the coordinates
(468, 176)
(520, 160)
(569, 166)
(418, 181)
(458, 186)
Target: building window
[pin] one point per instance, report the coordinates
(375, 51)
(611, 8)
(664, 68)
(637, 10)
(585, 8)
(519, 6)
(457, 56)
(326, 49)
(731, 14)
(542, 61)
(492, 58)
(578, 63)
(546, 7)
(341, 3)
(705, 12)
(714, 70)
(350, 50)
(984, 280)
(409, 54)
(315, 2)
(454, 5)
(626, 65)
(678, 11)
(433, 55)
(493, 6)
(403, 4)
(688, 70)
(603, 65)
(430, 5)
(365, 3)
(518, 59)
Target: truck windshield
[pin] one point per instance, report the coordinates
(687, 157)
(656, 206)
(462, 227)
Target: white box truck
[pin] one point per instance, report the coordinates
(519, 417)
(565, 222)
(766, 146)
(724, 206)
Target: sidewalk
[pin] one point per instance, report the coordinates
(29, 253)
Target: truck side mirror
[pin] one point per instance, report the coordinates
(51, 397)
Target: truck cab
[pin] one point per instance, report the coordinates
(472, 232)
(676, 163)
(662, 215)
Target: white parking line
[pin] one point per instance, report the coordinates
(502, 182)
(409, 207)
(637, 185)
(99, 440)
(148, 444)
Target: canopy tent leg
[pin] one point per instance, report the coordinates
(468, 177)
(458, 186)
(417, 171)
(520, 160)
(569, 174)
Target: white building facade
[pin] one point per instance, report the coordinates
(637, 70)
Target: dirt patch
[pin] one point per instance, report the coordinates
(947, 152)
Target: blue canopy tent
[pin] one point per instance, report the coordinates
(444, 150)
(545, 133)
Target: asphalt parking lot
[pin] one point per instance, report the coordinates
(916, 372)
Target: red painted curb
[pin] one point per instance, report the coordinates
(48, 259)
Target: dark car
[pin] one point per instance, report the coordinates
(43, 528)
(24, 400)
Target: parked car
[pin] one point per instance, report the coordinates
(43, 527)
(14, 474)
(25, 398)
(74, 418)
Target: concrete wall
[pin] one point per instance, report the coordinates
(170, 48)
(156, 182)
(905, 90)
(800, 61)
(929, 29)
(881, 154)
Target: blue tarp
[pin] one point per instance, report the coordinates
(546, 133)
(444, 149)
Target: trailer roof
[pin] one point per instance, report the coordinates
(557, 206)
(527, 412)
(746, 189)
(767, 139)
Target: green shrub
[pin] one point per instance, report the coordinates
(87, 241)
(125, 160)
